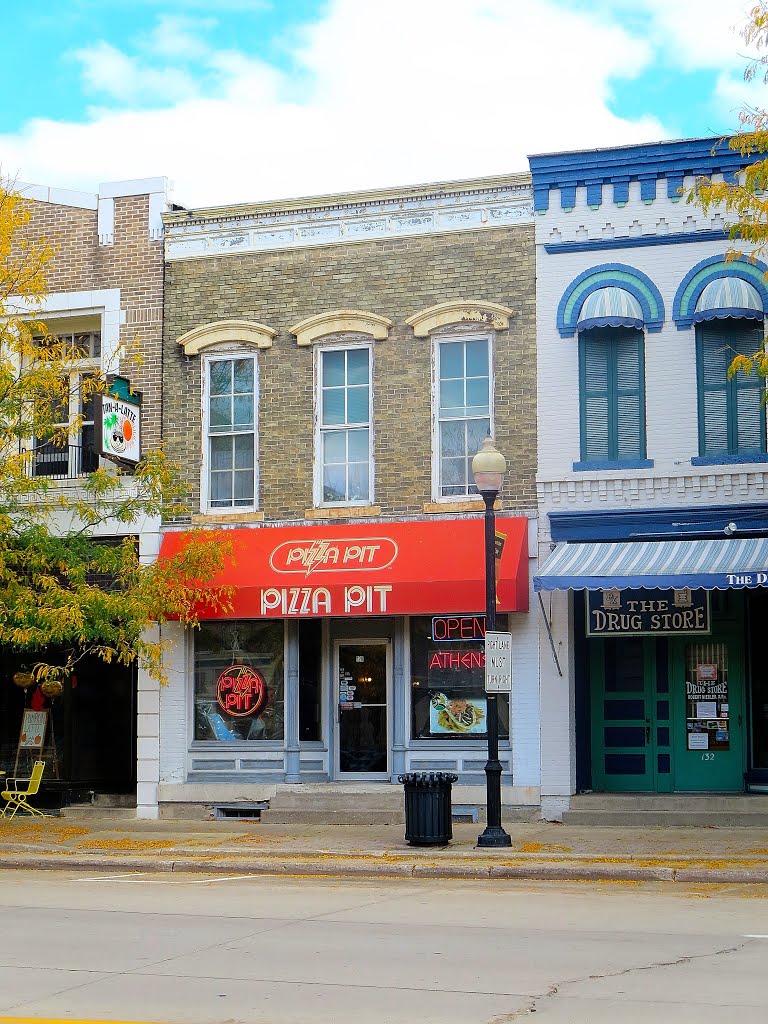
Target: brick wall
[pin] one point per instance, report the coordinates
(134, 264)
(395, 278)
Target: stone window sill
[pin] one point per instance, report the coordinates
(343, 512)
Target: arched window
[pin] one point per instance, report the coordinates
(729, 322)
(611, 380)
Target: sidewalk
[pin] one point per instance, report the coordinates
(539, 850)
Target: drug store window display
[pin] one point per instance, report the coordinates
(239, 681)
(448, 699)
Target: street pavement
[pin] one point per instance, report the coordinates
(539, 850)
(222, 949)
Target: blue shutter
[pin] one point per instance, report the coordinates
(630, 397)
(595, 384)
(748, 391)
(612, 394)
(731, 413)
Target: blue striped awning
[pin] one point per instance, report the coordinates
(658, 565)
(610, 307)
(729, 297)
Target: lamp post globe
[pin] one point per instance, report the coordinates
(488, 469)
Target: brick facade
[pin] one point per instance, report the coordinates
(395, 278)
(132, 263)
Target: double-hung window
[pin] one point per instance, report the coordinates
(231, 432)
(71, 452)
(612, 395)
(731, 412)
(464, 389)
(344, 426)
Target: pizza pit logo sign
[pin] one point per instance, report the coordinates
(305, 557)
(241, 691)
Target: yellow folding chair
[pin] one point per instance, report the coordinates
(16, 797)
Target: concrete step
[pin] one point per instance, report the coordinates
(115, 800)
(364, 816)
(381, 801)
(652, 818)
(670, 802)
(84, 811)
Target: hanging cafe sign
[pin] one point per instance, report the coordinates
(117, 420)
(648, 612)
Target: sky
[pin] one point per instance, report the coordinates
(253, 100)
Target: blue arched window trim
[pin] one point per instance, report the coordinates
(609, 275)
(698, 277)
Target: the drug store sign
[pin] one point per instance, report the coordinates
(648, 612)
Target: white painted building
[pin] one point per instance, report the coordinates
(652, 475)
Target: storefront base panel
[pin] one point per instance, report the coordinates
(327, 803)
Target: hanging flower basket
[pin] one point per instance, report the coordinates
(23, 679)
(52, 688)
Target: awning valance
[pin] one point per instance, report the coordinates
(430, 567)
(610, 307)
(729, 297)
(657, 565)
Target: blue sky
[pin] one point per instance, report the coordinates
(238, 100)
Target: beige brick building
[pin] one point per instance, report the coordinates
(105, 289)
(330, 367)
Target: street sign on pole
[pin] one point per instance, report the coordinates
(498, 662)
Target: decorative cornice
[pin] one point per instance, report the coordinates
(339, 321)
(490, 314)
(226, 332)
(671, 162)
(403, 214)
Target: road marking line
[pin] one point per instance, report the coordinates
(756, 936)
(106, 878)
(62, 1020)
(225, 878)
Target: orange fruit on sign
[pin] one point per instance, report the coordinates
(127, 430)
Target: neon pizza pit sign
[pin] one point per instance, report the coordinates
(241, 691)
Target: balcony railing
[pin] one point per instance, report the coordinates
(61, 462)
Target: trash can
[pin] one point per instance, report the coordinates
(428, 807)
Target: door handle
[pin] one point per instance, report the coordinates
(647, 732)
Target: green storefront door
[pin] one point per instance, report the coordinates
(629, 683)
(708, 713)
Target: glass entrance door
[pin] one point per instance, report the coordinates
(708, 686)
(631, 745)
(362, 691)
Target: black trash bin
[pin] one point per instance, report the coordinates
(428, 807)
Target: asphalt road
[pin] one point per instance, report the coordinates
(302, 951)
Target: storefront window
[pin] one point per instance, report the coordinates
(239, 681)
(448, 699)
(310, 652)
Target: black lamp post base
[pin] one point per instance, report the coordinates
(494, 836)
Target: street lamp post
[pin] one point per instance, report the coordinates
(488, 468)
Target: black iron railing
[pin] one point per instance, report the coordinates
(61, 462)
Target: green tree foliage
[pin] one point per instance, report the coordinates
(744, 200)
(62, 588)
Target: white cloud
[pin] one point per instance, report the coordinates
(107, 71)
(382, 93)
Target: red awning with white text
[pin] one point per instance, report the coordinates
(414, 568)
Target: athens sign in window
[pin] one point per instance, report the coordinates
(448, 699)
(239, 686)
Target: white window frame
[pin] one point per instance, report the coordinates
(437, 341)
(216, 355)
(67, 307)
(319, 430)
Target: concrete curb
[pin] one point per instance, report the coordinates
(373, 867)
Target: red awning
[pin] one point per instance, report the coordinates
(420, 568)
